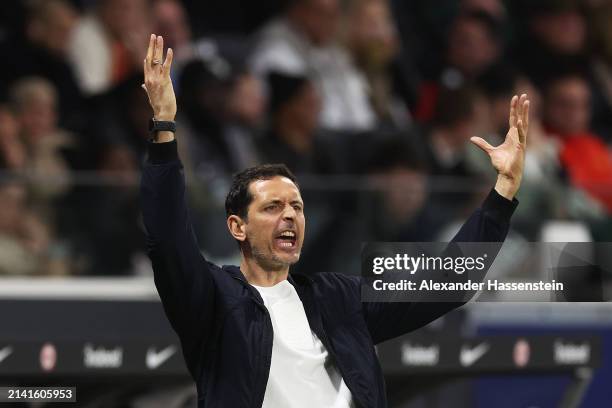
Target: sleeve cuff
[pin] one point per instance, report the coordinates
(498, 206)
(159, 153)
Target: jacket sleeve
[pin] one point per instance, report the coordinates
(489, 223)
(182, 276)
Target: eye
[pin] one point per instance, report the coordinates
(270, 207)
(297, 207)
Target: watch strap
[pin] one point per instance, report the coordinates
(162, 126)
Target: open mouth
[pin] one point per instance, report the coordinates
(286, 239)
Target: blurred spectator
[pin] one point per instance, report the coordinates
(44, 53)
(405, 212)
(395, 206)
(12, 150)
(40, 154)
(558, 41)
(102, 220)
(110, 43)
(556, 37)
(222, 109)
(34, 101)
(245, 118)
(494, 8)
(499, 86)
(374, 45)
(122, 117)
(451, 128)
(24, 239)
(303, 42)
(50, 24)
(170, 21)
(292, 139)
(600, 15)
(447, 142)
(584, 156)
(246, 100)
(474, 46)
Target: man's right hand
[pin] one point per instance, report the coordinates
(158, 84)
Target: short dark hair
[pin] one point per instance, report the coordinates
(239, 197)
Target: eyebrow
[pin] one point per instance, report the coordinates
(278, 201)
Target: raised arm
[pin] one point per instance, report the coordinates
(489, 223)
(182, 276)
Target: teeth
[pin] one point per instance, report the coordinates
(290, 234)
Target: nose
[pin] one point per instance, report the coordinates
(289, 213)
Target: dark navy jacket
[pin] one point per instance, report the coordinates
(225, 330)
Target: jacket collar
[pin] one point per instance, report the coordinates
(294, 278)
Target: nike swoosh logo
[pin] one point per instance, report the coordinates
(155, 359)
(468, 356)
(5, 352)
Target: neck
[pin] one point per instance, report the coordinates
(260, 275)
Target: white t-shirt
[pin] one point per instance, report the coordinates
(301, 375)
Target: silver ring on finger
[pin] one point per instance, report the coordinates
(156, 62)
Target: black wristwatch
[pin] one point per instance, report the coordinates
(161, 126)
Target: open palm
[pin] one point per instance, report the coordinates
(508, 158)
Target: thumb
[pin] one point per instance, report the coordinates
(482, 144)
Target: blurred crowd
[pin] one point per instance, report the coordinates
(370, 102)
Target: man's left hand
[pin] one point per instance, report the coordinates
(509, 157)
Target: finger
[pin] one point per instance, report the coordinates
(512, 117)
(158, 54)
(482, 144)
(522, 133)
(525, 117)
(146, 68)
(519, 107)
(168, 62)
(149, 56)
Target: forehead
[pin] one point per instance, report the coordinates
(275, 188)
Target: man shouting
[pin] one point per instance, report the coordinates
(256, 335)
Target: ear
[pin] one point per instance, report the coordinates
(237, 227)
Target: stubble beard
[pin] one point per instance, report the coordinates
(271, 261)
